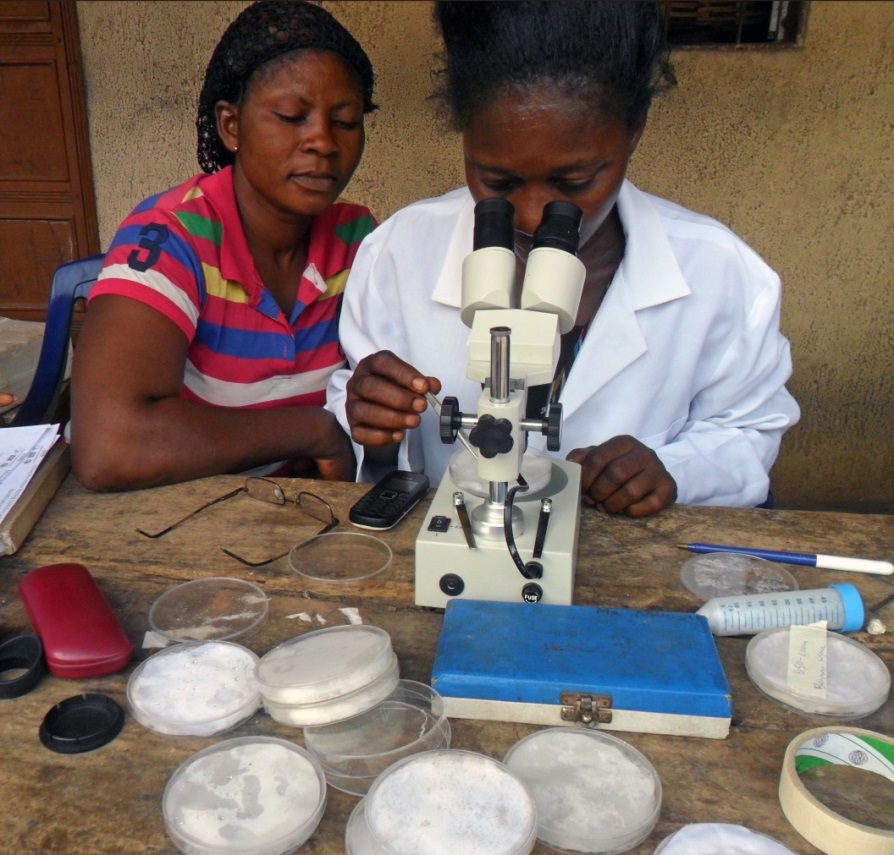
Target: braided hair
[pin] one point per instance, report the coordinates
(613, 54)
(265, 31)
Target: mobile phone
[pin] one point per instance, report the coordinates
(80, 633)
(384, 505)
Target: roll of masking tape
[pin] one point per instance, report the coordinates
(835, 746)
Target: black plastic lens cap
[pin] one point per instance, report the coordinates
(81, 723)
(21, 665)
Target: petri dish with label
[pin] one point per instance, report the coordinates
(726, 574)
(218, 609)
(594, 792)
(857, 681)
(252, 796)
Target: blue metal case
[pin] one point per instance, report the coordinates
(654, 672)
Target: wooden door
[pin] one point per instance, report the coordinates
(47, 204)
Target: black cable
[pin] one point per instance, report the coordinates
(507, 529)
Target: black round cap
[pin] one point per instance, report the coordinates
(22, 653)
(81, 723)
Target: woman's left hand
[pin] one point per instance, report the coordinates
(623, 476)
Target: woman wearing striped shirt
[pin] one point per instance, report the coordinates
(212, 330)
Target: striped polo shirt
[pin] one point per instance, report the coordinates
(184, 253)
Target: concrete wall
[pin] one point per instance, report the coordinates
(792, 149)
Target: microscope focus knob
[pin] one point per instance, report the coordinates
(553, 427)
(450, 420)
(492, 436)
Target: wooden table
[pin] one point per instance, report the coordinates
(108, 800)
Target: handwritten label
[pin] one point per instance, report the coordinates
(807, 659)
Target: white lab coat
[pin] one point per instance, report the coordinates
(684, 354)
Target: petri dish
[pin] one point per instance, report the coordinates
(535, 468)
(253, 796)
(857, 681)
(327, 675)
(724, 574)
(197, 688)
(450, 801)
(341, 558)
(338, 708)
(353, 753)
(217, 609)
(358, 839)
(709, 838)
(594, 792)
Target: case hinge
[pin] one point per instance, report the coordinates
(588, 710)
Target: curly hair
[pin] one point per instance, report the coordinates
(263, 32)
(613, 54)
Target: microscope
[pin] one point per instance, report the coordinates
(505, 535)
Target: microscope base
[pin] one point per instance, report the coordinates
(447, 569)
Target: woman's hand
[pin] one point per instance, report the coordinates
(6, 399)
(385, 396)
(623, 476)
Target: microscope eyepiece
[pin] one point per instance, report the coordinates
(560, 227)
(494, 224)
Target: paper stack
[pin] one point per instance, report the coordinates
(33, 463)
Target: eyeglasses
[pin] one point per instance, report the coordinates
(265, 490)
(311, 504)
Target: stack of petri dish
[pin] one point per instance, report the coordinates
(444, 801)
(354, 752)
(246, 796)
(327, 675)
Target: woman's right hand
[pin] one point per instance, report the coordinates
(385, 396)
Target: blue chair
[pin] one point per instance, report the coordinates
(71, 282)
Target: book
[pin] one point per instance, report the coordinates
(32, 468)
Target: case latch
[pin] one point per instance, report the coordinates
(588, 710)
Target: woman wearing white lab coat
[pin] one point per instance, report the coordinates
(677, 391)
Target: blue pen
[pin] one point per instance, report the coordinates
(826, 562)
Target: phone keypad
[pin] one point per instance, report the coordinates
(386, 502)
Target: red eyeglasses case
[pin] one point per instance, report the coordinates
(80, 633)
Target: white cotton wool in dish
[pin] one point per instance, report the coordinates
(594, 793)
(709, 838)
(195, 689)
(257, 795)
(448, 801)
